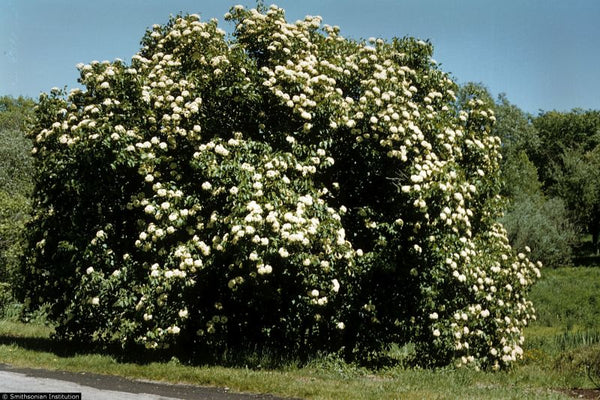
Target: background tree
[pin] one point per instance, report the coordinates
(16, 184)
(561, 132)
(577, 181)
(515, 128)
(567, 159)
(533, 219)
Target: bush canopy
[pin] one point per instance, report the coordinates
(282, 187)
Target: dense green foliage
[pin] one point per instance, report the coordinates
(287, 187)
(568, 161)
(516, 130)
(15, 113)
(559, 132)
(16, 182)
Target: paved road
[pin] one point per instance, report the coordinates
(106, 387)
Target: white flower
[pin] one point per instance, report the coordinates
(89, 270)
(433, 315)
(206, 186)
(283, 252)
(340, 326)
(95, 301)
(336, 285)
(220, 149)
(183, 313)
(314, 293)
(436, 332)
(264, 269)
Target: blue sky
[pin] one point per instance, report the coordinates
(544, 54)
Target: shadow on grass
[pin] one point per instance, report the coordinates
(587, 260)
(586, 254)
(67, 349)
(251, 357)
(245, 357)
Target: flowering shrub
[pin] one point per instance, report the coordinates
(286, 187)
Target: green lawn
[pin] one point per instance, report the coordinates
(560, 345)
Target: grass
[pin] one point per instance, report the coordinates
(560, 347)
(568, 299)
(322, 379)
